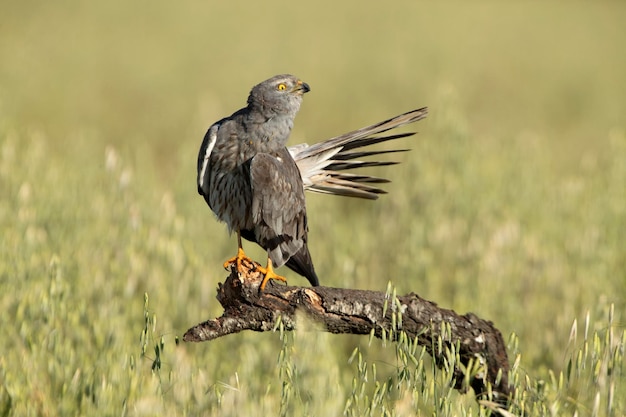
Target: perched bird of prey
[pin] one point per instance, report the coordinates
(256, 185)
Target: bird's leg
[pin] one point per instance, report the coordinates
(269, 273)
(241, 256)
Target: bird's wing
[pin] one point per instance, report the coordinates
(323, 165)
(204, 156)
(278, 207)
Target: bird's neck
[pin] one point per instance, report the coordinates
(271, 129)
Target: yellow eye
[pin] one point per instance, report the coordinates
(281, 87)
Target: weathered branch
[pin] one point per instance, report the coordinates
(360, 312)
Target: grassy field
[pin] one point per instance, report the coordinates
(511, 204)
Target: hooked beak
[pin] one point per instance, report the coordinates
(301, 87)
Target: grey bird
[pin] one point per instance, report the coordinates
(255, 184)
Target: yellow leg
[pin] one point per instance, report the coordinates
(269, 274)
(239, 257)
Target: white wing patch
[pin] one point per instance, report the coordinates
(207, 154)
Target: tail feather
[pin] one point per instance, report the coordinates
(302, 264)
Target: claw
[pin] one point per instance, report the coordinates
(269, 274)
(238, 259)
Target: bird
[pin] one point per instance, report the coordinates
(256, 185)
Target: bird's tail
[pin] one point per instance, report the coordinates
(323, 165)
(302, 264)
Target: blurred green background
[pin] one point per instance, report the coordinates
(511, 204)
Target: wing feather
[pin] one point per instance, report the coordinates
(320, 164)
(278, 206)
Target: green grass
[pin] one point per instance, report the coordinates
(511, 204)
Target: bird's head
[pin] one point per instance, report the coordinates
(281, 94)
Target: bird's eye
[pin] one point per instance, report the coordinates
(281, 87)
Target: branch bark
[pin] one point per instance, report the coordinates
(360, 312)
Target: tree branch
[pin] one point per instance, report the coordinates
(360, 312)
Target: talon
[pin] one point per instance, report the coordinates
(238, 259)
(269, 274)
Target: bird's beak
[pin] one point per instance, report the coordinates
(301, 87)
